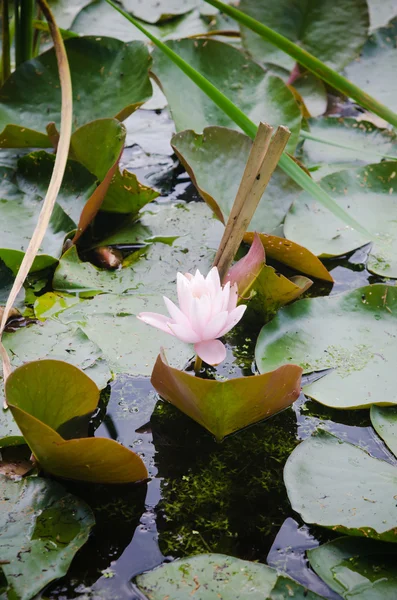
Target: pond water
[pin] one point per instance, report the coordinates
(203, 496)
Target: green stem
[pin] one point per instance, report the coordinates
(358, 150)
(43, 26)
(17, 16)
(26, 29)
(309, 61)
(6, 43)
(286, 163)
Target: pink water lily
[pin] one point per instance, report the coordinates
(207, 310)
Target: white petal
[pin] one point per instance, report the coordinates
(233, 319)
(156, 320)
(184, 294)
(213, 282)
(212, 352)
(225, 296)
(200, 314)
(176, 314)
(185, 334)
(215, 325)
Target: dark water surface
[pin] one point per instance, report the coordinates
(203, 496)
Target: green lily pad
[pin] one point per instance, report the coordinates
(366, 141)
(98, 146)
(19, 213)
(154, 11)
(374, 71)
(384, 421)
(31, 96)
(65, 11)
(369, 194)
(209, 576)
(33, 393)
(313, 93)
(338, 485)
(357, 568)
(349, 333)
(223, 407)
(333, 31)
(42, 528)
(260, 95)
(10, 434)
(99, 18)
(211, 157)
(33, 177)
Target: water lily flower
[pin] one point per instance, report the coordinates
(207, 310)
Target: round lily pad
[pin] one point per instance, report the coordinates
(368, 194)
(338, 485)
(384, 421)
(350, 335)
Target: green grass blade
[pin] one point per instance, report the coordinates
(286, 163)
(310, 62)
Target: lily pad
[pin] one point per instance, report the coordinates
(211, 157)
(99, 18)
(333, 31)
(31, 96)
(353, 492)
(33, 393)
(65, 11)
(349, 334)
(19, 213)
(374, 70)
(380, 13)
(98, 146)
(10, 434)
(260, 95)
(38, 515)
(291, 254)
(363, 143)
(362, 568)
(367, 193)
(313, 93)
(384, 421)
(154, 11)
(219, 576)
(223, 407)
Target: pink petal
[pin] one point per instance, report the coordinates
(212, 352)
(213, 282)
(185, 334)
(233, 319)
(176, 314)
(156, 320)
(200, 314)
(184, 294)
(225, 296)
(215, 325)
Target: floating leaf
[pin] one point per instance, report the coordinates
(65, 11)
(333, 32)
(42, 528)
(384, 421)
(260, 95)
(375, 69)
(313, 93)
(223, 407)
(348, 333)
(99, 18)
(211, 157)
(368, 193)
(98, 145)
(153, 11)
(362, 568)
(10, 434)
(33, 393)
(219, 576)
(352, 493)
(95, 64)
(291, 254)
(356, 144)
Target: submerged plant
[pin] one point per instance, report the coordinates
(207, 311)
